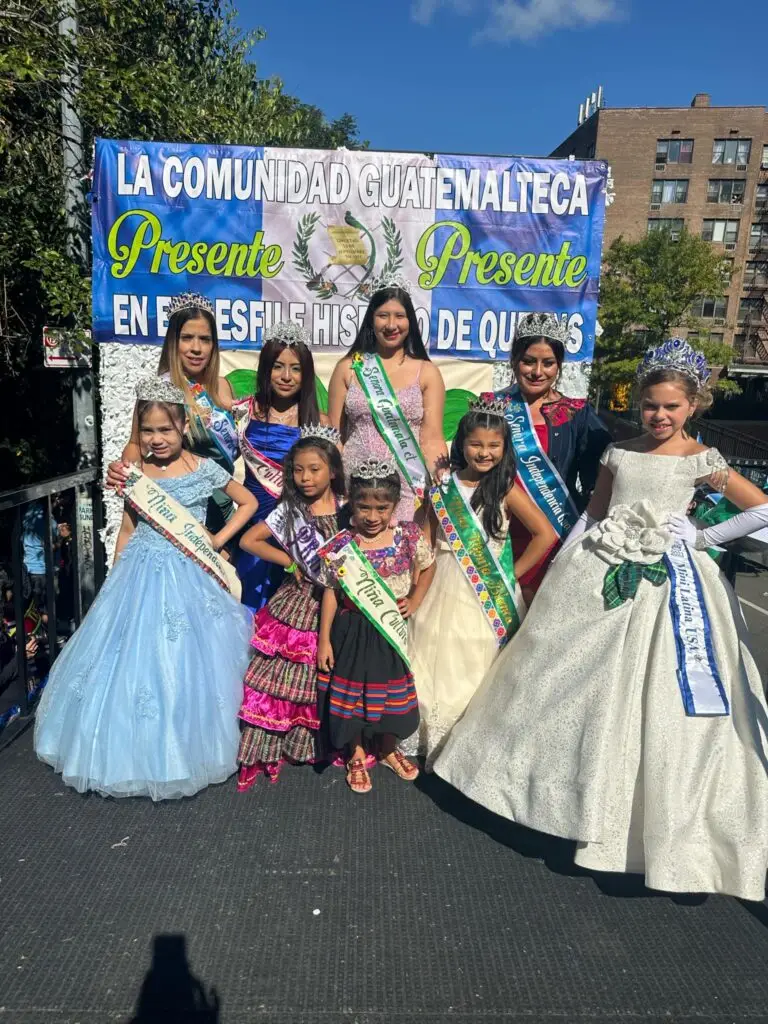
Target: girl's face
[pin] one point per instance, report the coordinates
(537, 370)
(160, 435)
(286, 374)
(483, 449)
(195, 346)
(664, 409)
(311, 473)
(373, 512)
(390, 325)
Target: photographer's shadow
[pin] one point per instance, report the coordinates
(170, 993)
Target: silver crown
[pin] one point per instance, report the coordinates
(490, 404)
(320, 430)
(158, 389)
(288, 332)
(542, 325)
(390, 280)
(373, 469)
(675, 354)
(189, 300)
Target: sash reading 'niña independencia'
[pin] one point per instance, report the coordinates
(390, 420)
(301, 540)
(170, 519)
(535, 470)
(366, 590)
(492, 579)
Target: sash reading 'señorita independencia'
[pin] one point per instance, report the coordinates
(301, 540)
(174, 522)
(366, 590)
(492, 579)
(535, 470)
(266, 471)
(390, 420)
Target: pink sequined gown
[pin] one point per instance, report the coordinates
(365, 442)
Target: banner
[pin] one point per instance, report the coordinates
(269, 233)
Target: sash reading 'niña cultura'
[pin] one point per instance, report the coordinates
(390, 420)
(179, 527)
(267, 472)
(366, 590)
(301, 540)
(492, 579)
(535, 470)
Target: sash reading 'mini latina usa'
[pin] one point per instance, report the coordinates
(697, 674)
(301, 540)
(366, 589)
(390, 420)
(492, 579)
(536, 472)
(266, 472)
(179, 526)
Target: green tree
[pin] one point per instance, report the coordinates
(177, 70)
(647, 290)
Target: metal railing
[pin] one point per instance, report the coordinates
(25, 626)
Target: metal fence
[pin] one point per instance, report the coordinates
(32, 635)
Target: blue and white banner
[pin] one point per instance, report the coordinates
(270, 233)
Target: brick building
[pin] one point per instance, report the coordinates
(705, 167)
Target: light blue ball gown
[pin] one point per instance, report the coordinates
(143, 700)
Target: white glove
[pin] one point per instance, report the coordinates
(583, 523)
(683, 528)
(742, 525)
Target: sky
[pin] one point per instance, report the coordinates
(504, 76)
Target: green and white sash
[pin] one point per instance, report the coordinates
(491, 577)
(174, 522)
(390, 420)
(366, 590)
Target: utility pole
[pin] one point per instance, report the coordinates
(83, 395)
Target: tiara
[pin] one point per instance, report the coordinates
(158, 389)
(320, 430)
(675, 354)
(390, 280)
(542, 325)
(189, 300)
(287, 331)
(373, 469)
(490, 404)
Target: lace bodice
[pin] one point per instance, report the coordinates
(667, 482)
(192, 491)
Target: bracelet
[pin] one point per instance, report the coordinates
(290, 568)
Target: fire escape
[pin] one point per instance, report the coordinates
(753, 344)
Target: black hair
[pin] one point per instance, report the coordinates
(494, 485)
(390, 485)
(292, 497)
(366, 339)
(308, 410)
(521, 345)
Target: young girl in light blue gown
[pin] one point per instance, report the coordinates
(143, 700)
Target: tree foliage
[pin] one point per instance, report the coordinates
(177, 70)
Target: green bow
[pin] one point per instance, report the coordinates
(621, 582)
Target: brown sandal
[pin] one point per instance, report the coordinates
(403, 768)
(358, 779)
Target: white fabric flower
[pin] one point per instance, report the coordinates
(630, 534)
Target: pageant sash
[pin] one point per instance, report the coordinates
(535, 470)
(697, 674)
(218, 425)
(266, 471)
(172, 521)
(366, 590)
(390, 420)
(301, 540)
(492, 579)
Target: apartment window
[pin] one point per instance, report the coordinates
(749, 310)
(669, 191)
(764, 158)
(761, 195)
(674, 151)
(695, 336)
(758, 237)
(707, 307)
(756, 274)
(725, 231)
(731, 151)
(725, 190)
(674, 225)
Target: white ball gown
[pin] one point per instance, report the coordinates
(579, 728)
(143, 700)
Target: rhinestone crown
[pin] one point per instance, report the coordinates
(189, 300)
(288, 332)
(373, 469)
(320, 430)
(542, 325)
(675, 354)
(158, 389)
(490, 404)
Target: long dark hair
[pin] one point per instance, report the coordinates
(308, 410)
(292, 497)
(366, 339)
(494, 485)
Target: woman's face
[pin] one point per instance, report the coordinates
(195, 346)
(537, 370)
(390, 325)
(286, 374)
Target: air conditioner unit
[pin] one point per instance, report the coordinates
(730, 246)
(661, 167)
(674, 236)
(741, 167)
(655, 206)
(719, 321)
